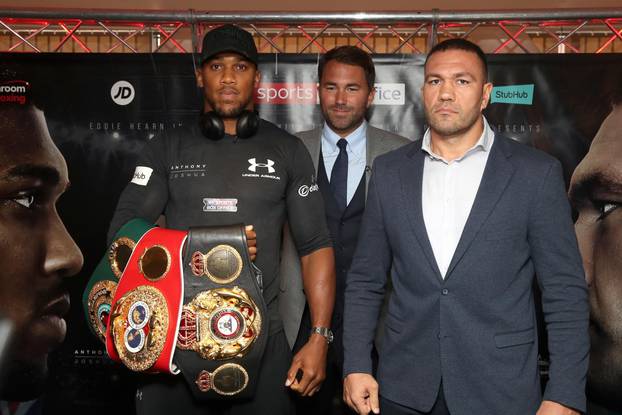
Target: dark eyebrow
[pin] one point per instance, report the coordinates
(594, 183)
(456, 75)
(34, 171)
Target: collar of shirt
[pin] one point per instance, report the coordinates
(483, 144)
(356, 141)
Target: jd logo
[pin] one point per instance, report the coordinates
(122, 93)
(268, 165)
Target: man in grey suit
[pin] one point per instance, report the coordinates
(464, 218)
(343, 151)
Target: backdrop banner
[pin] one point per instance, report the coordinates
(102, 108)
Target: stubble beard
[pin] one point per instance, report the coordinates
(346, 123)
(454, 128)
(226, 111)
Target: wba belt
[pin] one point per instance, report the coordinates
(223, 330)
(186, 300)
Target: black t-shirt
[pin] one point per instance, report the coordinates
(263, 181)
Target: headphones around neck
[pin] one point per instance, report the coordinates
(213, 127)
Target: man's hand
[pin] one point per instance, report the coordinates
(251, 241)
(554, 408)
(360, 392)
(311, 360)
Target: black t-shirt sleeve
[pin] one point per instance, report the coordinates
(305, 206)
(147, 193)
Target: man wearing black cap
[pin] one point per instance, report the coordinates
(237, 168)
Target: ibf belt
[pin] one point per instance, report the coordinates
(223, 329)
(97, 298)
(146, 308)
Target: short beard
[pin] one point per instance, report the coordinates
(455, 129)
(23, 380)
(229, 113)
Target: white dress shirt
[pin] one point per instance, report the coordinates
(357, 155)
(448, 193)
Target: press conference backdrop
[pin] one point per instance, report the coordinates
(102, 109)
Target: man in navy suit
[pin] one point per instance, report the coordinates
(464, 219)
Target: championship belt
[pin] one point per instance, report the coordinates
(145, 311)
(223, 328)
(100, 290)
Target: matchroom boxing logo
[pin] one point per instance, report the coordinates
(14, 92)
(122, 93)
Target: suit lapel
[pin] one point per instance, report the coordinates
(371, 150)
(495, 179)
(411, 179)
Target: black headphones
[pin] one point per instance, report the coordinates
(213, 127)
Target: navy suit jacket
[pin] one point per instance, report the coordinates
(476, 329)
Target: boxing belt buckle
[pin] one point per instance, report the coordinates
(219, 324)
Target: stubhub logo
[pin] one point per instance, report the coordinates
(281, 93)
(513, 94)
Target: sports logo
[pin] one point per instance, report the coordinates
(122, 93)
(142, 174)
(284, 93)
(268, 165)
(390, 94)
(212, 204)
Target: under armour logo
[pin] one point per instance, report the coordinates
(253, 167)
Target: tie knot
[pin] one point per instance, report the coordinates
(342, 143)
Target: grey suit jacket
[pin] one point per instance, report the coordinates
(475, 329)
(291, 298)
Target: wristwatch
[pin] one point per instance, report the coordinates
(325, 332)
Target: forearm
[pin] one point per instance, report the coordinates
(318, 275)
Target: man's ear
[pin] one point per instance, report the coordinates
(370, 97)
(487, 90)
(257, 78)
(199, 76)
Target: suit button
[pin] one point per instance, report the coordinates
(342, 223)
(445, 291)
(438, 336)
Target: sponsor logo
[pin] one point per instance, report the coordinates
(390, 94)
(513, 94)
(304, 190)
(185, 170)
(220, 205)
(276, 93)
(261, 170)
(142, 175)
(122, 93)
(279, 93)
(14, 92)
(268, 165)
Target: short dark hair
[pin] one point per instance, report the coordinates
(350, 55)
(460, 44)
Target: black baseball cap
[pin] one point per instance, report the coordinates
(229, 38)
